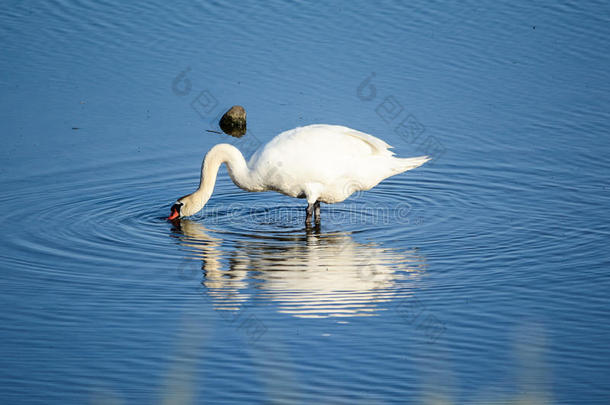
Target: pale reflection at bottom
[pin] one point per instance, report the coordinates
(307, 274)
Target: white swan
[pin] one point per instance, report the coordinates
(321, 163)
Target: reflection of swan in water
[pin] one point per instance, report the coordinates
(228, 287)
(312, 275)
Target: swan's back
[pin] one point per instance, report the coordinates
(315, 141)
(326, 147)
(330, 156)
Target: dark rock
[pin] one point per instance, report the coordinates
(233, 122)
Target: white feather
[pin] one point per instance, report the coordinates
(324, 163)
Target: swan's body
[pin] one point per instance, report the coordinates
(321, 163)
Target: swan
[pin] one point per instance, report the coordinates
(321, 163)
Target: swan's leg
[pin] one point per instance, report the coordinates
(312, 192)
(316, 207)
(308, 213)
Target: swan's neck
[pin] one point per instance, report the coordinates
(236, 165)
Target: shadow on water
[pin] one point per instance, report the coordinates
(305, 273)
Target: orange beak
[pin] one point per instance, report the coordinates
(175, 214)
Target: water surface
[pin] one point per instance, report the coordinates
(480, 277)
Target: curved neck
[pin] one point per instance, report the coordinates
(236, 164)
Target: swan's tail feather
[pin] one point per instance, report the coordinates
(411, 163)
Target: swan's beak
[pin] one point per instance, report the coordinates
(175, 213)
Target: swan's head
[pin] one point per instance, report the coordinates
(186, 206)
(176, 208)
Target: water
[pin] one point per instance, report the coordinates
(478, 278)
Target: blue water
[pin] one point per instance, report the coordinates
(481, 277)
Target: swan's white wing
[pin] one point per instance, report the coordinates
(320, 139)
(377, 145)
(327, 156)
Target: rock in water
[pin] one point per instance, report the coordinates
(233, 122)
